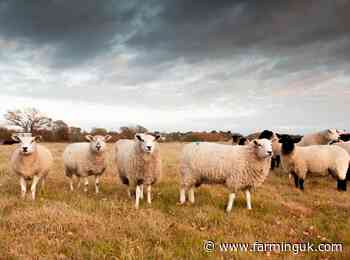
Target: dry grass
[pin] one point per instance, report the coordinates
(64, 225)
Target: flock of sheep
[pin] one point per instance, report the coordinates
(240, 167)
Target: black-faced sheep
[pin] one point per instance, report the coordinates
(299, 161)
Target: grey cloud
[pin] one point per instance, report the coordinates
(179, 55)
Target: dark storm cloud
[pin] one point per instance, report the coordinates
(198, 29)
(165, 30)
(256, 62)
(78, 30)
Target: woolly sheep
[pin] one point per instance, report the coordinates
(299, 160)
(237, 167)
(138, 162)
(346, 147)
(86, 159)
(319, 138)
(30, 161)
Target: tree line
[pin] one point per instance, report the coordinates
(31, 120)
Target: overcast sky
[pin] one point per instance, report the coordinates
(179, 64)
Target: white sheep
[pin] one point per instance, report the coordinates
(315, 159)
(138, 162)
(30, 161)
(86, 159)
(319, 138)
(344, 145)
(236, 167)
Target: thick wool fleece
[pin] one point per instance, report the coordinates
(237, 167)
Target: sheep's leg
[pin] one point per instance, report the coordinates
(273, 161)
(182, 195)
(36, 179)
(149, 198)
(231, 199)
(86, 184)
(43, 182)
(138, 194)
(248, 198)
(341, 185)
(348, 174)
(301, 183)
(278, 161)
(97, 184)
(141, 192)
(79, 182)
(23, 183)
(71, 185)
(296, 179)
(191, 195)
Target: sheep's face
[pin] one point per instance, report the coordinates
(263, 148)
(332, 135)
(27, 144)
(267, 134)
(146, 142)
(243, 141)
(98, 142)
(288, 144)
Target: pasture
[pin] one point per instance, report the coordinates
(65, 225)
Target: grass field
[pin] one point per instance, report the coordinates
(65, 225)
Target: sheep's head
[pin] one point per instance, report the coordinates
(294, 138)
(263, 148)
(332, 135)
(267, 134)
(288, 144)
(27, 144)
(243, 141)
(146, 142)
(98, 142)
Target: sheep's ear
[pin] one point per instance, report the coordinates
(38, 138)
(138, 137)
(89, 138)
(107, 138)
(15, 138)
(298, 139)
(156, 137)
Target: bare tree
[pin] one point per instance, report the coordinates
(29, 119)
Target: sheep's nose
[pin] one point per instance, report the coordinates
(98, 147)
(269, 152)
(25, 149)
(149, 148)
